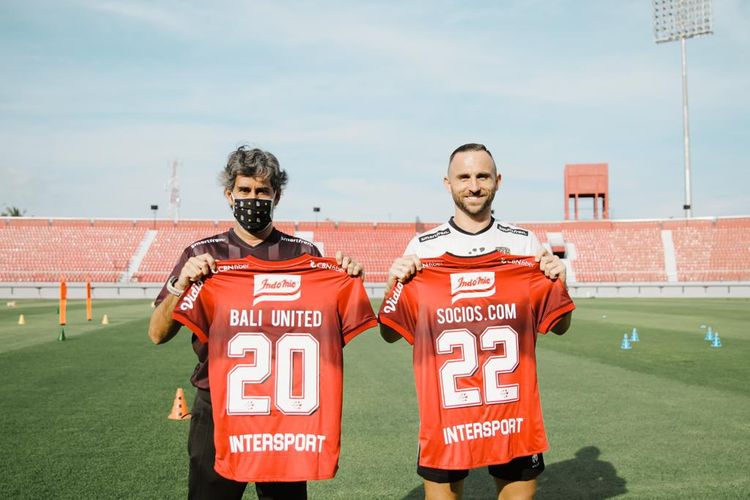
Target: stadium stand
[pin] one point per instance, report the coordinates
(77, 250)
(712, 250)
(383, 241)
(44, 250)
(170, 239)
(617, 252)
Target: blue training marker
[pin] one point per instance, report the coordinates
(709, 334)
(634, 336)
(625, 344)
(717, 340)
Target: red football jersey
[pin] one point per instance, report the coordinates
(473, 323)
(275, 333)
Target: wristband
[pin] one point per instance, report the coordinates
(171, 288)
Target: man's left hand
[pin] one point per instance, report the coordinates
(350, 265)
(551, 265)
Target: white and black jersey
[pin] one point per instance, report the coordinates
(497, 236)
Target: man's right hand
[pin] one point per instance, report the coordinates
(162, 327)
(194, 269)
(402, 269)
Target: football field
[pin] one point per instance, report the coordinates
(669, 418)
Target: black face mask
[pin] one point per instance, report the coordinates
(253, 214)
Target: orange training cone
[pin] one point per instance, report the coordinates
(105, 320)
(179, 407)
(21, 320)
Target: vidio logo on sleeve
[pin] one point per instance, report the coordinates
(188, 300)
(472, 285)
(276, 287)
(392, 301)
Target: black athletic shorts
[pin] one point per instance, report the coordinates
(518, 469)
(204, 483)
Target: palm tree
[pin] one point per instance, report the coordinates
(13, 211)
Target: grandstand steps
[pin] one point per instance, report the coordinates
(138, 256)
(570, 272)
(570, 251)
(670, 261)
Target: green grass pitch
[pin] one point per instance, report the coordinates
(86, 418)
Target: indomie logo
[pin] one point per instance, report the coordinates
(472, 285)
(276, 287)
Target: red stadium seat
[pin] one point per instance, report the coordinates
(40, 249)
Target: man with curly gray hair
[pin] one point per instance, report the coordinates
(253, 182)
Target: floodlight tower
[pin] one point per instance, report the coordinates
(174, 193)
(680, 20)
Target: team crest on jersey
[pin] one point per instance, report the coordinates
(276, 287)
(472, 285)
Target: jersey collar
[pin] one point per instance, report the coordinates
(493, 257)
(271, 239)
(453, 224)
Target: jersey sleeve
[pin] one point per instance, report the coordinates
(411, 248)
(195, 310)
(398, 311)
(354, 309)
(175, 272)
(549, 299)
(532, 246)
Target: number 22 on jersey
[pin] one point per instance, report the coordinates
(493, 391)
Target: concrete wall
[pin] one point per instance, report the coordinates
(737, 289)
(78, 290)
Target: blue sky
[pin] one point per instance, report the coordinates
(363, 102)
